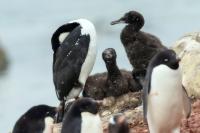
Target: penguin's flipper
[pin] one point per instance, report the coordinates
(186, 103)
(146, 90)
(145, 102)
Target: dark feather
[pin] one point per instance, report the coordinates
(146, 90)
(68, 60)
(33, 120)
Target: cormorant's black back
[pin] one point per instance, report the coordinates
(68, 59)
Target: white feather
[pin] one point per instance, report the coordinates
(91, 123)
(87, 29)
(63, 36)
(112, 121)
(74, 92)
(165, 103)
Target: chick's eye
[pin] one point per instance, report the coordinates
(166, 60)
(137, 19)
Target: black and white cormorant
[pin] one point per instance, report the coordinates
(74, 46)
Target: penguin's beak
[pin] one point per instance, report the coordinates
(121, 20)
(178, 59)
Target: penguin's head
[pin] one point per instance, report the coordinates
(133, 18)
(41, 111)
(109, 56)
(35, 117)
(168, 58)
(118, 124)
(86, 105)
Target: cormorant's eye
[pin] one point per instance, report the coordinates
(166, 60)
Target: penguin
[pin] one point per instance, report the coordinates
(165, 100)
(74, 47)
(114, 82)
(140, 46)
(37, 119)
(83, 117)
(118, 124)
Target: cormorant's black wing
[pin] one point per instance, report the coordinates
(68, 60)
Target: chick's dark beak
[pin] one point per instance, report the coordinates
(121, 20)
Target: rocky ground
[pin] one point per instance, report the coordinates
(188, 49)
(129, 105)
(135, 119)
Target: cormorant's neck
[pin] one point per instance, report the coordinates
(113, 70)
(132, 28)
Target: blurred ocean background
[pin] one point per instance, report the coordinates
(26, 28)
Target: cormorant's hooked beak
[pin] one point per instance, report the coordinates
(121, 20)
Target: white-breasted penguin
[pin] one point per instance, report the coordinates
(83, 117)
(37, 119)
(118, 124)
(165, 100)
(74, 46)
